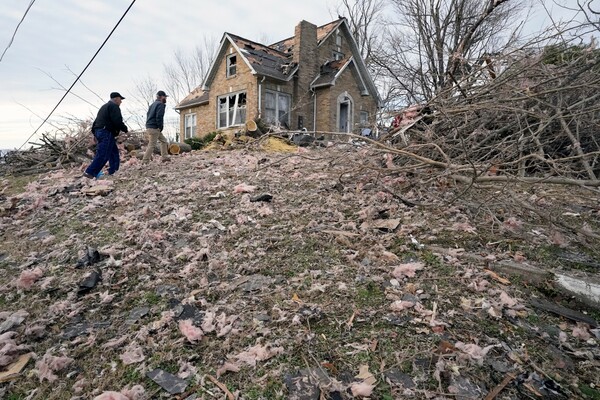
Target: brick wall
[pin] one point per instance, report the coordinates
(222, 85)
(305, 54)
(327, 103)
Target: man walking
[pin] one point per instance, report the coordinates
(154, 126)
(106, 127)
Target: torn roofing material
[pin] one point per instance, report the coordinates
(265, 60)
(329, 72)
(195, 98)
(287, 45)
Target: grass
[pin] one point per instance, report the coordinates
(18, 184)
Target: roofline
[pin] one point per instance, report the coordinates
(222, 48)
(192, 104)
(338, 74)
(291, 37)
(361, 66)
(341, 20)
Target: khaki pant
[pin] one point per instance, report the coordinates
(155, 135)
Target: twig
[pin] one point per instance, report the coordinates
(221, 386)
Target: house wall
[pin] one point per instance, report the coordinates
(282, 87)
(244, 80)
(327, 48)
(327, 103)
(306, 55)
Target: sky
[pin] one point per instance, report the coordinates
(58, 38)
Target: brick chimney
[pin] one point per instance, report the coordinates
(305, 55)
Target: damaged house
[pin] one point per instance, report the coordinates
(315, 80)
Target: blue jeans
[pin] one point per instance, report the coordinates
(106, 150)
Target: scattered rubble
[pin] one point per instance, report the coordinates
(181, 282)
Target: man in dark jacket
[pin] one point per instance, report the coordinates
(154, 126)
(106, 127)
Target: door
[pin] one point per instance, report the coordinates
(344, 114)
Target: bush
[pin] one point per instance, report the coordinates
(195, 143)
(198, 143)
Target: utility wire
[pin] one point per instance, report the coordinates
(80, 74)
(16, 29)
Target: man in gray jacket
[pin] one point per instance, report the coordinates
(154, 126)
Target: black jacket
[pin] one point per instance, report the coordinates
(156, 115)
(109, 117)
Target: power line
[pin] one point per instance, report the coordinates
(16, 29)
(80, 74)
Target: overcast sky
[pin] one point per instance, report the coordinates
(60, 35)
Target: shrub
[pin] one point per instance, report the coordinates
(195, 143)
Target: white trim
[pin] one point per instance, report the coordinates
(278, 94)
(240, 53)
(235, 109)
(350, 120)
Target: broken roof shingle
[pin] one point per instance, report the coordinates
(287, 45)
(329, 71)
(264, 59)
(195, 98)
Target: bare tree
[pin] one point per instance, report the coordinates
(142, 96)
(187, 70)
(431, 44)
(366, 23)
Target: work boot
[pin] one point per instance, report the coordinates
(89, 176)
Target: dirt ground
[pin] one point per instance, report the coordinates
(320, 273)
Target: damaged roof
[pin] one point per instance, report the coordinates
(330, 71)
(287, 45)
(195, 98)
(265, 60)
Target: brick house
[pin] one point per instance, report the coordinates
(314, 80)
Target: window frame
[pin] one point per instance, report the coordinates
(362, 114)
(337, 55)
(277, 110)
(192, 127)
(238, 110)
(229, 66)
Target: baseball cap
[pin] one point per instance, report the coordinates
(116, 94)
(162, 93)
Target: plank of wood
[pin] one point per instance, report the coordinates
(573, 315)
(14, 370)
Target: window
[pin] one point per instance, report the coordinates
(277, 107)
(337, 55)
(338, 41)
(189, 126)
(231, 65)
(232, 110)
(364, 118)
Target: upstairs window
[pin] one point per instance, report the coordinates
(337, 55)
(232, 110)
(231, 65)
(338, 41)
(277, 107)
(190, 126)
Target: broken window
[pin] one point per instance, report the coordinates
(232, 110)
(189, 126)
(231, 65)
(277, 107)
